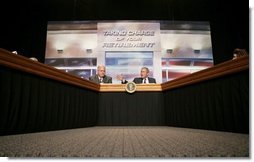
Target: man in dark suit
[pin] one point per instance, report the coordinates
(143, 79)
(100, 77)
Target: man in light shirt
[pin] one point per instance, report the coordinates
(101, 76)
(143, 79)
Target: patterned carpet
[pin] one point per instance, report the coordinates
(128, 142)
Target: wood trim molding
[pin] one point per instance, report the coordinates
(121, 87)
(22, 63)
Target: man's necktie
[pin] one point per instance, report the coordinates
(144, 81)
(101, 79)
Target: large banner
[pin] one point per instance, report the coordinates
(129, 36)
(170, 49)
(128, 46)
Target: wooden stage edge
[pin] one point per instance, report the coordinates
(21, 63)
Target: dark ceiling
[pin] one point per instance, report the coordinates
(24, 23)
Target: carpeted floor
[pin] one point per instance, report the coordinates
(126, 142)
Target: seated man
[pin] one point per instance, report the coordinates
(100, 77)
(142, 79)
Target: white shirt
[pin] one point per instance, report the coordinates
(145, 81)
(100, 79)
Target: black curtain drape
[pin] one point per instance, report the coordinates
(30, 103)
(219, 104)
(124, 109)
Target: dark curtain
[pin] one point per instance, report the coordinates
(220, 104)
(30, 103)
(137, 109)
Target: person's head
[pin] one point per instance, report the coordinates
(144, 72)
(239, 52)
(101, 70)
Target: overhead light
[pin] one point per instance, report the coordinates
(196, 51)
(59, 51)
(170, 51)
